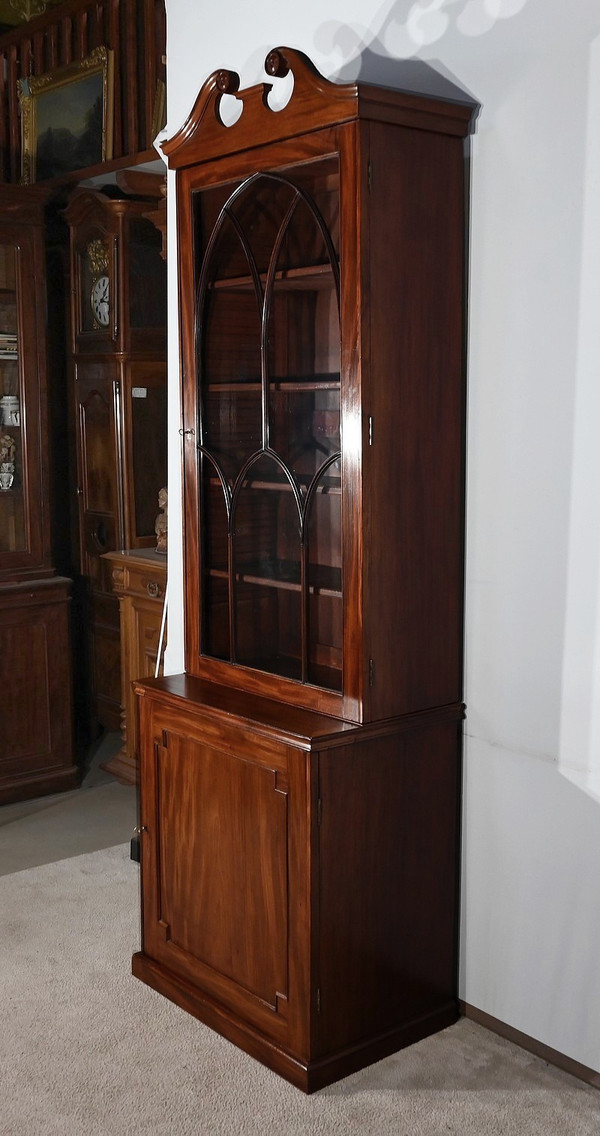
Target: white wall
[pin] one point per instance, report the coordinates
(531, 900)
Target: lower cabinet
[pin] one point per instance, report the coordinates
(139, 580)
(299, 874)
(36, 727)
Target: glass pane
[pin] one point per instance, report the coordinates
(215, 616)
(149, 442)
(255, 208)
(259, 211)
(13, 536)
(229, 359)
(304, 346)
(147, 276)
(94, 271)
(324, 532)
(304, 245)
(267, 572)
(304, 429)
(229, 339)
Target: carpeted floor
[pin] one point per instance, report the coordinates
(87, 1050)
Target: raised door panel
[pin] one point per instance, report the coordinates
(216, 889)
(26, 733)
(105, 645)
(100, 514)
(147, 633)
(145, 449)
(35, 692)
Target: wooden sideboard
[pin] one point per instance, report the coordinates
(139, 579)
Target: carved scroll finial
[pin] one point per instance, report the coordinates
(276, 64)
(227, 82)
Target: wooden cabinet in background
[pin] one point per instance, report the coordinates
(118, 339)
(299, 785)
(139, 580)
(36, 728)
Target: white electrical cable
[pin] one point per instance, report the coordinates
(162, 632)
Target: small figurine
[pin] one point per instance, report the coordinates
(160, 525)
(7, 449)
(7, 461)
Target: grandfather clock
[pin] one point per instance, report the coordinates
(118, 342)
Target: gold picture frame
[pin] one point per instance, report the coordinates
(67, 118)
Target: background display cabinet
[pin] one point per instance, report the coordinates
(118, 327)
(300, 782)
(36, 753)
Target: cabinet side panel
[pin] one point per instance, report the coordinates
(414, 464)
(388, 884)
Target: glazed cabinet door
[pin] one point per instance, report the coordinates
(221, 831)
(264, 398)
(23, 536)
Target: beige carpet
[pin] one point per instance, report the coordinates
(86, 1049)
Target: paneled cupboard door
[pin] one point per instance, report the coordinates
(220, 831)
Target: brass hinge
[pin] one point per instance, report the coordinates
(371, 430)
(318, 1001)
(319, 811)
(371, 672)
(369, 174)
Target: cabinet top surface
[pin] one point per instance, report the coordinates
(142, 556)
(294, 724)
(315, 103)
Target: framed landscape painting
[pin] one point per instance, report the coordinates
(66, 118)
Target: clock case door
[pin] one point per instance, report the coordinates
(88, 334)
(137, 280)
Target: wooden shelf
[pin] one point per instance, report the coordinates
(329, 678)
(285, 575)
(310, 278)
(331, 486)
(291, 385)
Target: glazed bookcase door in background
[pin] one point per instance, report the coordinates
(36, 753)
(23, 534)
(267, 360)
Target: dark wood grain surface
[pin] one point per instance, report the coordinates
(300, 784)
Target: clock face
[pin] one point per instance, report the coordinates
(99, 301)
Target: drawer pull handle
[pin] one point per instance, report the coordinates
(153, 589)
